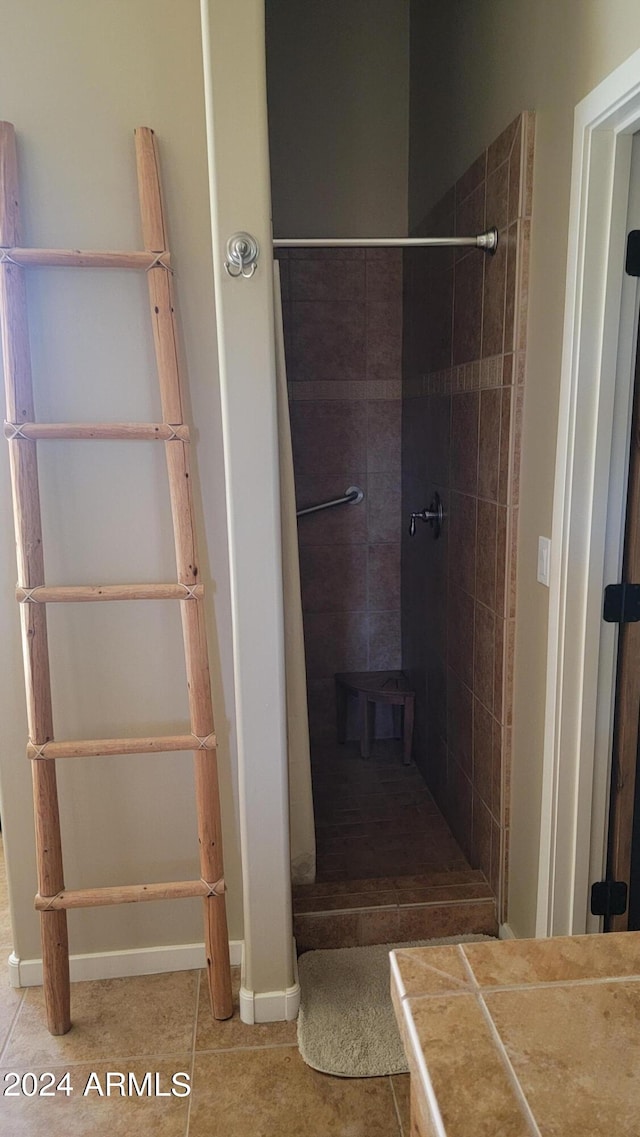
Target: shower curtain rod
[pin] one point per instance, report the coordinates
(488, 241)
(243, 250)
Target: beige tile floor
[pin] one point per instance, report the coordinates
(246, 1081)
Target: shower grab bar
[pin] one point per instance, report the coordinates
(352, 496)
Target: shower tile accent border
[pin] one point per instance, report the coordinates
(446, 373)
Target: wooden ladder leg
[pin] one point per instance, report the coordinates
(193, 618)
(26, 505)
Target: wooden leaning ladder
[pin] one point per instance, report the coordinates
(33, 595)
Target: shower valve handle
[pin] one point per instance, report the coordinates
(433, 515)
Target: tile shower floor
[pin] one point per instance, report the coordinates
(375, 816)
(246, 1081)
(388, 866)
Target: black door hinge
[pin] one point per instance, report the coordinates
(609, 898)
(632, 265)
(621, 604)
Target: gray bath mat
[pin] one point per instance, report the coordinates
(346, 1024)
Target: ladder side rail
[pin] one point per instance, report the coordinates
(193, 618)
(26, 506)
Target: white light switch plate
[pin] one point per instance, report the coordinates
(544, 560)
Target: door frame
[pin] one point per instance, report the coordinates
(589, 506)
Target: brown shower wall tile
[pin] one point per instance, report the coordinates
(349, 253)
(470, 214)
(504, 458)
(467, 308)
(510, 240)
(501, 148)
(524, 244)
(328, 341)
(333, 579)
(502, 565)
(469, 181)
(335, 642)
(332, 526)
(384, 426)
(323, 389)
(383, 508)
(486, 558)
(460, 722)
(516, 180)
(482, 834)
(497, 198)
(484, 656)
(331, 281)
(490, 371)
(462, 541)
(464, 442)
(529, 124)
(483, 752)
(383, 578)
(493, 308)
(460, 630)
(384, 641)
(343, 337)
(329, 438)
(489, 454)
(384, 275)
(383, 339)
(480, 389)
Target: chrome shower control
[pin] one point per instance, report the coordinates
(433, 515)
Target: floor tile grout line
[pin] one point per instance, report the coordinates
(73, 1063)
(193, 1049)
(12, 1024)
(249, 1049)
(501, 1049)
(397, 1109)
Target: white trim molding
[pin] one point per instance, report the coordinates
(506, 932)
(588, 509)
(121, 964)
(270, 1006)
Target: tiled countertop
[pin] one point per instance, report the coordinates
(519, 1037)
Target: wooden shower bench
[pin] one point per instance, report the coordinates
(372, 687)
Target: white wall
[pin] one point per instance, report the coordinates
(338, 90)
(76, 77)
(498, 58)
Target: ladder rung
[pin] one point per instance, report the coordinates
(127, 431)
(127, 894)
(105, 747)
(81, 258)
(82, 593)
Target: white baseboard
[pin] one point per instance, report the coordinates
(271, 1006)
(506, 932)
(119, 964)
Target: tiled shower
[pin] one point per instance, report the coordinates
(343, 336)
(406, 376)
